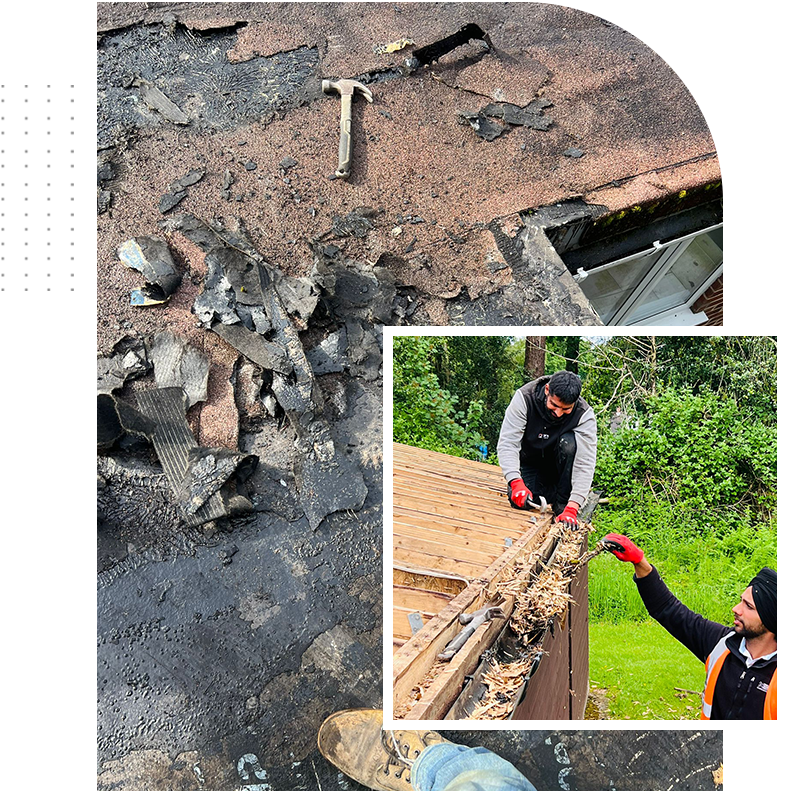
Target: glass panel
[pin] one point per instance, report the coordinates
(609, 289)
(687, 274)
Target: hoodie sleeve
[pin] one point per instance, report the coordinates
(697, 633)
(586, 451)
(510, 437)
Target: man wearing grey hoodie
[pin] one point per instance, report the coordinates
(548, 444)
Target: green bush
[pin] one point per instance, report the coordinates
(696, 451)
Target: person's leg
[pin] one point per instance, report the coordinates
(448, 766)
(541, 480)
(355, 743)
(564, 459)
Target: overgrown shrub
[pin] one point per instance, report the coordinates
(695, 452)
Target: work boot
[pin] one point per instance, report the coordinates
(355, 743)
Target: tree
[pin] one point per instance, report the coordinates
(424, 413)
(535, 351)
(573, 348)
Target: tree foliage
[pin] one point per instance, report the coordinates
(424, 413)
(692, 451)
(687, 424)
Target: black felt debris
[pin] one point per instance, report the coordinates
(225, 184)
(197, 476)
(192, 177)
(170, 200)
(531, 116)
(207, 473)
(105, 172)
(177, 363)
(115, 418)
(128, 359)
(238, 277)
(104, 200)
(483, 126)
(155, 99)
(266, 354)
(330, 356)
(150, 255)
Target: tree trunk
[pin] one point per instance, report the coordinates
(573, 347)
(534, 356)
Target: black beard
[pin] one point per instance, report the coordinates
(749, 634)
(551, 417)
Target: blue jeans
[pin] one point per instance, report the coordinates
(448, 766)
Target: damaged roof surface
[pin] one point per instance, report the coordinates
(241, 294)
(245, 84)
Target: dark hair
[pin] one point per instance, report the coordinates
(566, 386)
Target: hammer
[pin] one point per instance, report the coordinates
(345, 88)
(473, 622)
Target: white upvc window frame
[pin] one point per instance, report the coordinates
(669, 253)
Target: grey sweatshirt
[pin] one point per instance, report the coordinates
(586, 438)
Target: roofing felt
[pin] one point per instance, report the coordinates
(434, 184)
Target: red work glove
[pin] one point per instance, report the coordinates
(569, 516)
(519, 494)
(630, 552)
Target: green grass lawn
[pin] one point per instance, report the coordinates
(634, 668)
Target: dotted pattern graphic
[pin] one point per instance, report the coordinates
(38, 225)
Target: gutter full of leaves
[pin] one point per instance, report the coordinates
(541, 598)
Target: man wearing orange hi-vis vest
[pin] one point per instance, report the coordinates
(741, 664)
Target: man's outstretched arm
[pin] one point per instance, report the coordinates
(697, 633)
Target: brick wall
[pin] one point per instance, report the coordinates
(711, 303)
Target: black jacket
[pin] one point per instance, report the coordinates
(740, 691)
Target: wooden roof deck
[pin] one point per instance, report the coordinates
(454, 537)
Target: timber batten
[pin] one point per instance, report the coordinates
(458, 547)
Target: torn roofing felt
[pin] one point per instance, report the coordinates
(128, 359)
(150, 255)
(176, 363)
(240, 287)
(204, 480)
(197, 475)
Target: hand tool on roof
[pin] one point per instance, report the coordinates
(472, 622)
(345, 88)
(521, 498)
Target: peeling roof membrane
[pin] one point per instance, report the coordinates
(328, 481)
(150, 255)
(128, 359)
(177, 363)
(197, 475)
(150, 74)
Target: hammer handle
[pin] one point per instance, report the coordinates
(345, 141)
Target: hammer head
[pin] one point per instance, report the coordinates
(485, 614)
(346, 88)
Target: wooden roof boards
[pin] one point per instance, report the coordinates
(454, 537)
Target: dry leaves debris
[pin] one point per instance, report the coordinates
(539, 598)
(537, 603)
(504, 681)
